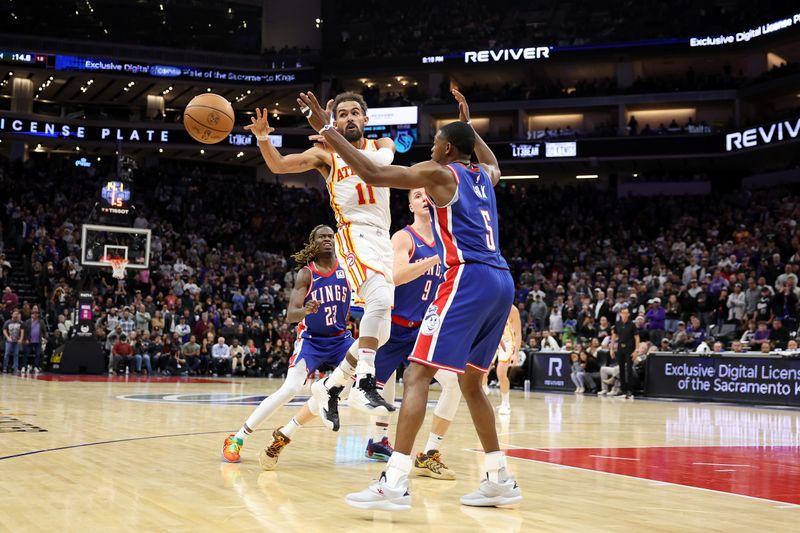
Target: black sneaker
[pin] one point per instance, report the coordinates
(366, 398)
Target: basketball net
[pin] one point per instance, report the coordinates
(118, 265)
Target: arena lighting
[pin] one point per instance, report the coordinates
(521, 177)
(680, 110)
(587, 176)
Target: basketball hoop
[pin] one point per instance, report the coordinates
(118, 265)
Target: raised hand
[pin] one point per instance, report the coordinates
(317, 138)
(463, 107)
(259, 124)
(313, 112)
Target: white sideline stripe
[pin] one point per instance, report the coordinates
(720, 464)
(612, 457)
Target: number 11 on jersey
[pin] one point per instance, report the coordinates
(362, 199)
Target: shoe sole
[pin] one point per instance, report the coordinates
(493, 502)
(375, 411)
(421, 471)
(267, 467)
(226, 460)
(377, 457)
(384, 505)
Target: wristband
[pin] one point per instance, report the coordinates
(325, 128)
(469, 122)
(262, 137)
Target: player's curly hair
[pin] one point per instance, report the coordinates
(309, 251)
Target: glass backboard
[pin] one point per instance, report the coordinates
(99, 244)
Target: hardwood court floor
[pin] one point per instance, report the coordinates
(103, 454)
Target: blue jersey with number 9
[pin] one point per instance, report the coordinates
(412, 299)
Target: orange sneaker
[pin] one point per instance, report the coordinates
(231, 449)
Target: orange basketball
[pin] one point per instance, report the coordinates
(208, 118)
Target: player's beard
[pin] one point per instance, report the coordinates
(353, 135)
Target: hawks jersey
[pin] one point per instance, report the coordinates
(466, 228)
(508, 339)
(352, 200)
(412, 299)
(333, 293)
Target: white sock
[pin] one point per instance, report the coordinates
(504, 398)
(493, 462)
(243, 432)
(341, 375)
(434, 442)
(366, 363)
(380, 428)
(290, 428)
(397, 469)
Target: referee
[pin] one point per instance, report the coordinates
(625, 340)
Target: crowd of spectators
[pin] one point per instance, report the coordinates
(218, 269)
(720, 275)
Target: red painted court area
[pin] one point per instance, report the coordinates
(771, 473)
(121, 379)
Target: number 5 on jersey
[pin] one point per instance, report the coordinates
(489, 231)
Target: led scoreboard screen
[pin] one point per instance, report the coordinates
(116, 197)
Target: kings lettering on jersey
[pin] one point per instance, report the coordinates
(331, 294)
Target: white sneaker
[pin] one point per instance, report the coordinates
(504, 409)
(381, 497)
(581, 390)
(602, 393)
(37, 370)
(328, 402)
(491, 494)
(364, 397)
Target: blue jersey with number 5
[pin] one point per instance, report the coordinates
(412, 299)
(333, 293)
(466, 228)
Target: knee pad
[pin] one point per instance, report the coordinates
(295, 377)
(378, 296)
(448, 402)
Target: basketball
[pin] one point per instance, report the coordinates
(208, 118)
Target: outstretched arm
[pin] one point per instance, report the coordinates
(313, 158)
(482, 151)
(430, 174)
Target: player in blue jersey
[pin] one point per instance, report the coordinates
(464, 325)
(319, 303)
(417, 271)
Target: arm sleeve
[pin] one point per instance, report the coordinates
(381, 157)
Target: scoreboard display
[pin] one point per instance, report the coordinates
(116, 199)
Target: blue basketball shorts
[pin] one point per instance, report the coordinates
(465, 322)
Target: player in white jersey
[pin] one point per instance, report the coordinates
(507, 354)
(362, 242)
